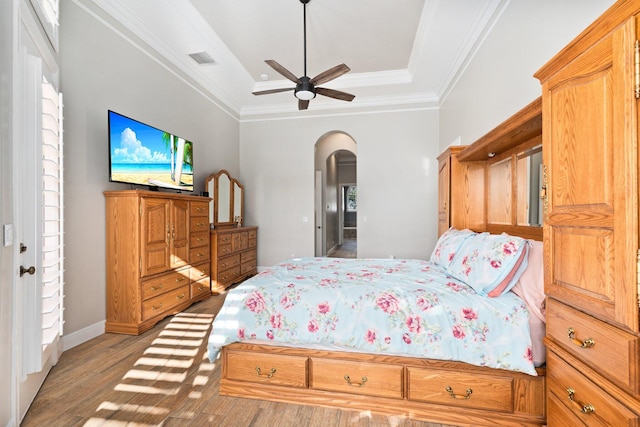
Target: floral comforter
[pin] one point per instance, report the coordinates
(400, 307)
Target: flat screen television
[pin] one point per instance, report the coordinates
(140, 154)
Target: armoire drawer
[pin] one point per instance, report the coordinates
(199, 254)
(371, 379)
(263, 368)
(200, 209)
(460, 389)
(151, 288)
(571, 392)
(598, 344)
(165, 302)
(199, 223)
(199, 271)
(200, 288)
(199, 239)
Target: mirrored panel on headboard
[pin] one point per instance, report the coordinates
(529, 184)
(227, 195)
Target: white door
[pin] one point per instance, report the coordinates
(38, 230)
(319, 210)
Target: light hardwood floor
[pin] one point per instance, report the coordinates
(163, 378)
(349, 249)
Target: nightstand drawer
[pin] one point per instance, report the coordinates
(372, 379)
(263, 368)
(460, 389)
(574, 393)
(598, 344)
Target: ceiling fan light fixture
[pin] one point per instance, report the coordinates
(304, 89)
(305, 95)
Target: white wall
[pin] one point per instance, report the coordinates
(499, 80)
(101, 71)
(396, 175)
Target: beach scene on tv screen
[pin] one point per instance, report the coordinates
(144, 155)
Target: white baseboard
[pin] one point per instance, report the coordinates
(71, 340)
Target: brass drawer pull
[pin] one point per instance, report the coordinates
(585, 409)
(154, 288)
(269, 375)
(458, 396)
(156, 307)
(360, 384)
(180, 279)
(589, 342)
(181, 296)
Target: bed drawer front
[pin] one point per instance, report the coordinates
(607, 410)
(372, 379)
(282, 370)
(613, 351)
(165, 302)
(466, 390)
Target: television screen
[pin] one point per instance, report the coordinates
(143, 155)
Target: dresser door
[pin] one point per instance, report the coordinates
(590, 152)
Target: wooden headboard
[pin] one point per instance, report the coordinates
(494, 184)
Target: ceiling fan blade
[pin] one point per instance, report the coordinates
(337, 94)
(265, 92)
(330, 74)
(280, 69)
(303, 104)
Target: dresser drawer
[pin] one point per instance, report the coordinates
(200, 209)
(574, 393)
(164, 302)
(247, 256)
(372, 379)
(248, 267)
(276, 369)
(200, 288)
(199, 223)
(199, 254)
(228, 276)
(253, 234)
(158, 285)
(606, 348)
(225, 249)
(225, 239)
(228, 262)
(460, 389)
(199, 239)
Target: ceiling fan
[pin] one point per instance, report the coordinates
(307, 88)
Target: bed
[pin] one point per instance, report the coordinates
(455, 339)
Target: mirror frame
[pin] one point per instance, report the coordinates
(235, 204)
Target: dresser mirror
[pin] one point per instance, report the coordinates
(227, 196)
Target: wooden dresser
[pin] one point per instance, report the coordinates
(590, 149)
(233, 256)
(157, 257)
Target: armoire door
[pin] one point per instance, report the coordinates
(591, 157)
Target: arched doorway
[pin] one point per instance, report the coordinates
(336, 195)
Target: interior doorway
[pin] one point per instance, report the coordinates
(336, 187)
